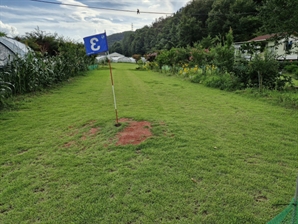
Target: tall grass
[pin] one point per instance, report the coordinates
(5, 91)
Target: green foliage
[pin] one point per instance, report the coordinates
(174, 57)
(210, 76)
(40, 70)
(198, 20)
(224, 55)
(199, 55)
(3, 34)
(5, 92)
(141, 65)
(292, 68)
(152, 66)
(264, 71)
(279, 16)
(283, 64)
(240, 15)
(224, 81)
(126, 44)
(163, 58)
(40, 41)
(287, 98)
(242, 70)
(191, 63)
(114, 38)
(188, 28)
(207, 42)
(116, 47)
(137, 57)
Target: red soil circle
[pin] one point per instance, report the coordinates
(135, 133)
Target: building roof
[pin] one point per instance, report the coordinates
(115, 54)
(271, 36)
(262, 38)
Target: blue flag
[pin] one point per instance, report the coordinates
(96, 44)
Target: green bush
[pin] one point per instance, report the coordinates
(287, 98)
(224, 55)
(292, 68)
(262, 71)
(283, 64)
(296, 74)
(199, 56)
(174, 57)
(242, 72)
(225, 81)
(197, 78)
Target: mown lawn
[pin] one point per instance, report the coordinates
(214, 157)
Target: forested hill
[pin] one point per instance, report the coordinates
(116, 37)
(206, 19)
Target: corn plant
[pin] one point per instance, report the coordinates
(37, 71)
(5, 91)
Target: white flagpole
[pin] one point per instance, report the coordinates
(113, 90)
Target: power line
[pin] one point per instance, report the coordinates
(92, 7)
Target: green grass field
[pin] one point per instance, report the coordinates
(214, 157)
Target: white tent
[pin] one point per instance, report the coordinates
(100, 58)
(10, 48)
(116, 57)
(127, 60)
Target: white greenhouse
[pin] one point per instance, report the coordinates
(9, 49)
(116, 57)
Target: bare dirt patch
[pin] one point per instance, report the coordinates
(135, 133)
(91, 132)
(69, 144)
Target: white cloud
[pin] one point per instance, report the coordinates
(154, 6)
(78, 22)
(8, 29)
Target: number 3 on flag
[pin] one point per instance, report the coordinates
(96, 44)
(93, 42)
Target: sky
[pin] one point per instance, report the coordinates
(18, 17)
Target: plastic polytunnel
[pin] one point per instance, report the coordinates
(9, 49)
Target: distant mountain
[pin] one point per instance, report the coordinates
(117, 37)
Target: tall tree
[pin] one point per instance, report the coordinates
(189, 31)
(240, 15)
(46, 43)
(126, 44)
(116, 47)
(199, 9)
(279, 16)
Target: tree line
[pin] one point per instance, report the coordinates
(203, 19)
